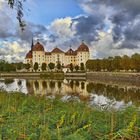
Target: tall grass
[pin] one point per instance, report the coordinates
(25, 117)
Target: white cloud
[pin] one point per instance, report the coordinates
(106, 47)
(13, 51)
(61, 27)
(61, 31)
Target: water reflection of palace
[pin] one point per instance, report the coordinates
(55, 87)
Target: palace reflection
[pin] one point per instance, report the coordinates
(54, 87)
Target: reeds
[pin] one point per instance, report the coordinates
(29, 117)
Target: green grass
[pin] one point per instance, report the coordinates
(26, 117)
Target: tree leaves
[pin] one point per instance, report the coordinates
(18, 5)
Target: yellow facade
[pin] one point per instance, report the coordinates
(38, 54)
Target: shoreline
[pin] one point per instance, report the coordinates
(123, 77)
(133, 78)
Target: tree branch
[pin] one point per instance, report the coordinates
(18, 5)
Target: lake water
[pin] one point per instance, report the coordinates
(103, 96)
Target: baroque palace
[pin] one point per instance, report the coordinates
(39, 55)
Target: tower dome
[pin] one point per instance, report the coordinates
(83, 48)
(29, 55)
(38, 47)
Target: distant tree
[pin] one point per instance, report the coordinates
(19, 66)
(71, 67)
(59, 66)
(98, 65)
(7, 67)
(2, 63)
(89, 65)
(36, 66)
(51, 66)
(76, 67)
(117, 63)
(104, 64)
(27, 66)
(135, 62)
(109, 64)
(82, 66)
(43, 67)
(125, 63)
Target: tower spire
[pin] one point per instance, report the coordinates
(32, 43)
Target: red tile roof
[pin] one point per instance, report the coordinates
(71, 52)
(38, 47)
(29, 55)
(56, 50)
(83, 48)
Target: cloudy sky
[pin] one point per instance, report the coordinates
(108, 27)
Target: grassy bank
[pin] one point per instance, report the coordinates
(35, 118)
